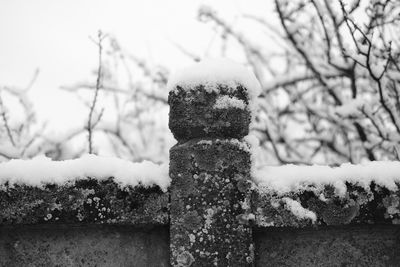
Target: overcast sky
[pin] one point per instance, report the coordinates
(53, 35)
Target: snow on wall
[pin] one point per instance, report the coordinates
(214, 72)
(42, 170)
(298, 210)
(292, 178)
(226, 102)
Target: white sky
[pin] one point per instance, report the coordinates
(52, 35)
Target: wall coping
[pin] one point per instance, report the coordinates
(105, 201)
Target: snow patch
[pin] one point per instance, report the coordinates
(298, 210)
(254, 145)
(241, 145)
(292, 178)
(214, 72)
(350, 108)
(394, 75)
(42, 170)
(226, 102)
(205, 142)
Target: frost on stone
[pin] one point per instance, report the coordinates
(214, 72)
(42, 170)
(236, 142)
(293, 178)
(254, 144)
(205, 142)
(232, 141)
(228, 102)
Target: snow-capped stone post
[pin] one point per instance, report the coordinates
(210, 113)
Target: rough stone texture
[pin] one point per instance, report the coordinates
(359, 206)
(50, 245)
(85, 201)
(192, 114)
(375, 245)
(209, 209)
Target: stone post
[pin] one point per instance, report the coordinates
(210, 172)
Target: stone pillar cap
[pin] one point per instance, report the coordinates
(212, 98)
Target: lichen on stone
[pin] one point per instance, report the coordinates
(185, 259)
(392, 205)
(84, 201)
(208, 223)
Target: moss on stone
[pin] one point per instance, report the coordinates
(85, 201)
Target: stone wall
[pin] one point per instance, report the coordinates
(83, 245)
(357, 245)
(212, 215)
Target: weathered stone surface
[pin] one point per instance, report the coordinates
(358, 206)
(361, 245)
(71, 245)
(210, 214)
(192, 113)
(85, 201)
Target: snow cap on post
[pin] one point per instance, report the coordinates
(212, 98)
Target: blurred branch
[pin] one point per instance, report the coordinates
(185, 51)
(5, 121)
(112, 89)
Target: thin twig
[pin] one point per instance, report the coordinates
(91, 124)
